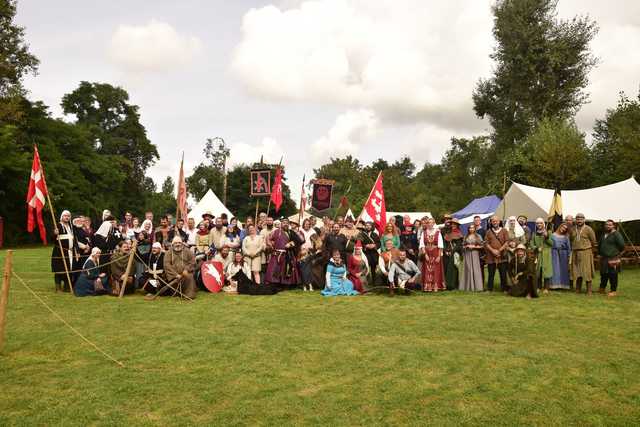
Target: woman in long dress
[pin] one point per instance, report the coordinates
(358, 269)
(431, 246)
(560, 254)
(336, 277)
(253, 246)
(91, 281)
(473, 244)
(452, 255)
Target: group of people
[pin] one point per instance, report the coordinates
(339, 256)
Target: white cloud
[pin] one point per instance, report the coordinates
(350, 130)
(405, 61)
(269, 149)
(155, 46)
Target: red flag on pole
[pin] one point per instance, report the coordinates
(375, 207)
(36, 197)
(182, 193)
(303, 199)
(276, 192)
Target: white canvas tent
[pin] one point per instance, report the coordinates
(619, 202)
(209, 203)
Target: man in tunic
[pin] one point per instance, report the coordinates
(179, 265)
(153, 262)
(118, 268)
(265, 232)
(335, 241)
(541, 243)
(403, 273)
(610, 247)
(162, 232)
(218, 234)
(496, 245)
(63, 261)
(351, 233)
(583, 242)
(370, 245)
(522, 220)
(283, 269)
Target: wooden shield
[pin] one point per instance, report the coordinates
(212, 275)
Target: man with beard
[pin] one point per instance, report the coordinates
(179, 265)
(178, 230)
(283, 269)
(480, 230)
(522, 220)
(265, 232)
(153, 269)
(409, 241)
(335, 241)
(63, 261)
(583, 242)
(403, 273)
(118, 268)
(351, 233)
(496, 244)
(610, 247)
(217, 235)
(370, 245)
(162, 232)
(224, 256)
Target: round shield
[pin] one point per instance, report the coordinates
(212, 273)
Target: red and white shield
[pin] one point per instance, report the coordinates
(212, 275)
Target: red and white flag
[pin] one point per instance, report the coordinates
(374, 208)
(276, 191)
(36, 197)
(182, 193)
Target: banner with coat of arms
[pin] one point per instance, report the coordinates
(321, 195)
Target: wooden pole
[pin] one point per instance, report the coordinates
(132, 253)
(255, 220)
(4, 296)
(62, 253)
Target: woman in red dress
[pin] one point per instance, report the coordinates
(358, 268)
(431, 246)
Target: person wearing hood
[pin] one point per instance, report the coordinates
(118, 269)
(91, 282)
(106, 239)
(515, 231)
(179, 265)
(153, 270)
(64, 237)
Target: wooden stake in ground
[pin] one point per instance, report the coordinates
(132, 253)
(4, 295)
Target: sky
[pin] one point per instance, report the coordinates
(301, 80)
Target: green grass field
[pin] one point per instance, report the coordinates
(298, 358)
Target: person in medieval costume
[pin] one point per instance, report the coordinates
(283, 269)
(153, 269)
(560, 256)
(452, 255)
(515, 231)
(351, 233)
(522, 220)
(541, 243)
(522, 270)
(63, 261)
(334, 241)
(403, 273)
(311, 262)
(583, 243)
(91, 282)
(82, 238)
(237, 265)
(161, 233)
(409, 240)
(218, 234)
(358, 269)
(472, 279)
(370, 245)
(179, 265)
(253, 247)
(496, 242)
(224, 256)
(610, 247)
(336, 278)
(430, 250)
(118, 270)
(106, 239)
(385, 260)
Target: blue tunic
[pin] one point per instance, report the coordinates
(337, 283)
(560, 252)
(85, 285)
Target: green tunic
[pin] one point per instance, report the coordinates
(542, 246)
(611, 245)
(452, 245)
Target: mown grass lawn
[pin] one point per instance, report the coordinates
(298, 358)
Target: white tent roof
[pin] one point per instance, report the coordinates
(296, 217)
(619, 202)
(209, 203)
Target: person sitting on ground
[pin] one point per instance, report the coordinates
(237, 265)
(179, 265)
(153, 262)
(403, 273)
(336, 278)
(118, 268)
(224, 256)
(522, 271)
(91, 281)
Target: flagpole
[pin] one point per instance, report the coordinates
(335, 215)
(180, 178)
(55, 224)
(269, 204)
(300, 214)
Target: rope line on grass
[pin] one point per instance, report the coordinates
(75, 331)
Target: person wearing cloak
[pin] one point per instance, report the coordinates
(91, 282)
(118, 270)
(153, 264)
(283, 269)
(107, 240)
(522, 271)
(430, 250)
(336, 278)
(63, 233)
(358, 268)
(583, 243)
(452, 255)
(541, 243)
(179, 265)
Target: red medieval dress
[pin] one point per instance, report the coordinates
(356, 271)
(432, 273)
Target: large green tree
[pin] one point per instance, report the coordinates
(541, 68)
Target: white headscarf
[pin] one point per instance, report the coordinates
(64, 212)
(105, 213)
(518, 230)
(145, 222)
(105, 228)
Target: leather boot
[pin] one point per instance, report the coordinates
(588, 288)
(578, 286)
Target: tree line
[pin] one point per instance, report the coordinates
(99, 159)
